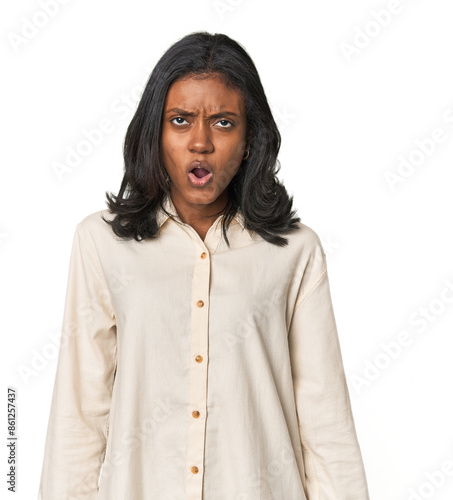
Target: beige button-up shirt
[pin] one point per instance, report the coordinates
(188, 370)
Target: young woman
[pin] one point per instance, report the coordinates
(199, 357)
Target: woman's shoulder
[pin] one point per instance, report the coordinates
(305, 238)
(93, 226)
(308, 256)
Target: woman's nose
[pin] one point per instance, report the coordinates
(200, 138)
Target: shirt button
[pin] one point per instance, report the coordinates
(199, 359)
(195, 414)
(200, 303)
(203, 255)
(194, 469)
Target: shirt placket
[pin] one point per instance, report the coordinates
(199, 356)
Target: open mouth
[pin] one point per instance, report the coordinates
(200, 172)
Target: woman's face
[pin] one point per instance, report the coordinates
(203, 121)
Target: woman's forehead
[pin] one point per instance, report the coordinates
(208, 94)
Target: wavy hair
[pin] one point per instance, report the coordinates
(255, 189)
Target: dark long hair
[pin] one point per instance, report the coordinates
(255, 189)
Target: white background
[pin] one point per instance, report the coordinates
(347, 121)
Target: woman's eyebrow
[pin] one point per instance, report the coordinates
(182, 112)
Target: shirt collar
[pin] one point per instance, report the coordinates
(170, 207)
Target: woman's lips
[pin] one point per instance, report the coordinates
(199, 177)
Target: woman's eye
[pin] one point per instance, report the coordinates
(178, 118)
(225, 121)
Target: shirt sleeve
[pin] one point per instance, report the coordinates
(78, 424)
(334, 469)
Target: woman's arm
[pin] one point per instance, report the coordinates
(333, 463)
(77, 429)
